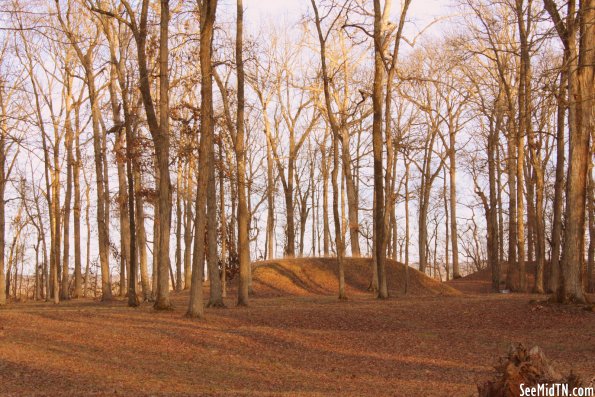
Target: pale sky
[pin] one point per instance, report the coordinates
(421, 12)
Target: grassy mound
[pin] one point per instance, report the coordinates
(480, 282)
(319, 276)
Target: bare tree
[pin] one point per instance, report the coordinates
(208, 10)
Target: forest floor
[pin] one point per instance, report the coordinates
(307, 345)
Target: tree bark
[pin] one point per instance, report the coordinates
(453, 205)
(223, 217)
(179, 221)
(68, 143)
(76, 170)
(554, 273)
(377, 148)
(208, 10)
(188, 227)
(240, 149)
(215, 291)
(582, 83)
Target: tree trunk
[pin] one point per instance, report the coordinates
(554, 273)
(352, 194)
(453, 206)
(156, 241)
(512, 209)
(88, 223)
(123, 212)
(223, 217)
(326, 232)
(270, 251)
(243, 215)
(377, 147)
(3, 290)
(188, 227)
(140, 231)
(102, 221)
(76, 170)
(338, 232)
(493, 165)
(446, 231)
(56, 241)
(64, 291)
(215, 292)
(590, 276)
(161, 140)
(179, 227)
(582, 82)
(208, 9)
(406, 226)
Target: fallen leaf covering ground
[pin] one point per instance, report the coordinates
(307, 345)
(303, 277)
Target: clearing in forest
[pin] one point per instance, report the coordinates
(301, 344)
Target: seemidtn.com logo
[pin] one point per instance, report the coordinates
(555, 389)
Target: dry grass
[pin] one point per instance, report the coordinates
(308, 345)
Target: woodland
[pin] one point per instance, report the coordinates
(358, 200)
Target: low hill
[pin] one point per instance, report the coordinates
(319, 276)
(481, 282)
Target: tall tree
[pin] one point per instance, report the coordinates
(581, 122)
(336, 130)
(377, 147)
(240, 148)
(86, 59)
(207, 9)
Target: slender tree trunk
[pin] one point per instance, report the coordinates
(156, 241)
(377, 146)
(493, 164)
(289, 212)
(215, 291)
(243, 215)
(512, 209)
(530, 197)
(76, 169)
(446, 231)
(102, 220)
(270, 252)
(88, 223)
(406, 226)
(3, 290)
(352, 194)
(141, 231)
(524, 105)
(123, 210)
(314, 207)
(453, 206)
(223, 217)
(56, 242)
(188, 227)
(499, 206)
(338, 232)
(423, 233)
(161, 140)
(37, 286)
(208, 9)
(64, 291)
(326, 232)
(539, 224)
(179, 228)
(554, 273)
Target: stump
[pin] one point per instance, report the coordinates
(523, 367)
